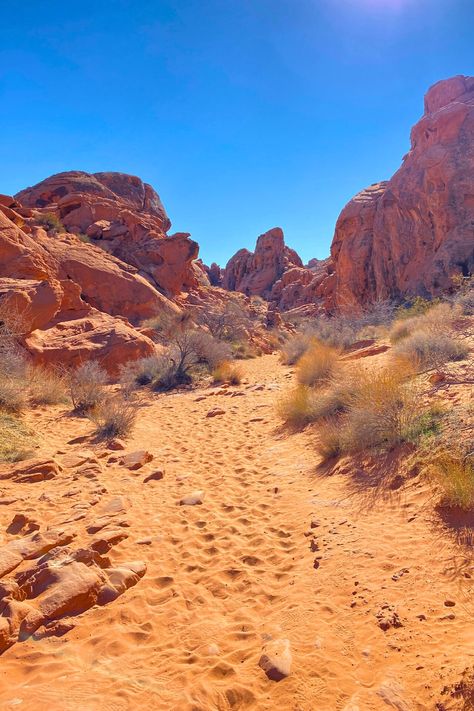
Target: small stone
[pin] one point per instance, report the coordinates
(449, 603)
(215, 411)
(154, 476)
(116, 444)
(276, 659)
(136, 460)
(193, 499)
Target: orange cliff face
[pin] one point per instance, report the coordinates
(411, 234)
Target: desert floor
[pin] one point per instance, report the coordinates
(278, 548)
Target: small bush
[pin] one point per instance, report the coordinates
(114, 417)
(427, 350)
(296, 407)
(209, 350)
(317, 364)
(47, 387)
(227, 372)
(329, 439)
(15, 439)
(417, 307)
(454, 476)
(12, 394)
(51, 223)
(86, 386)
(294, 348)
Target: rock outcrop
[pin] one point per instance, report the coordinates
(39, 291)
(276, 273)
(126, 217)
(410, 235)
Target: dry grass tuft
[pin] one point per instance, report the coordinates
(15, 439)
(13, 395)
(227, 372)
(296, 407)
(114, 417)
(329, 439)
(427, 350)
(454, 475)
(318, 364)
(47, 387)
(294, 348)
(86, 386)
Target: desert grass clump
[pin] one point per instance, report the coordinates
(87, 386)
(318, 364)
(329, 439)
(51, 223)
(114, 417)
(454, 476)
(427, 350)
(16, 441)
(381, 411)
(296, 407)
(13, 394)
(227, 372)
(294, 348)
(47, 386)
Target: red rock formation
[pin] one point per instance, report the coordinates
(128, 218)
(254, 273)
(409, 235)
(59, 326)
(275, 272)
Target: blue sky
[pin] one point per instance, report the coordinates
(243, 114)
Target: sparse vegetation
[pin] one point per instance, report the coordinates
(454, 476)
(16, 441)
(317, 364)
(114, 417)
(426, 350)
(47, 386)
(51, 223)
(295, 347)
(86, 387)
(227, 372)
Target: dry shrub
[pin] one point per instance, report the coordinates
(318, 364)
(47, 386)
(329, 439)
(454, 475)
(427, 350)
(15, 439)
(382, 410)
(296, 407)
(114, 417)
(227, 372)
(438, 319)
(13, 395)
(86, 386)
(377, 410)
(294, 348)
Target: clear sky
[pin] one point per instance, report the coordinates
(243, 114)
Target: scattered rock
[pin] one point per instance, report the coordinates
(197, 497)
(215, 411)
(276, 659)
(136, 460)
(116, 444)
(154, 476)
(388, 617)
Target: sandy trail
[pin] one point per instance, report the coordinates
(243, 565)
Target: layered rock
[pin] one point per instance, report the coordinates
(410, 235)
(126, 216)
(45, 303)
(276, 273)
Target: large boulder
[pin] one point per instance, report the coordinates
(128, 219)
(410, 235)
